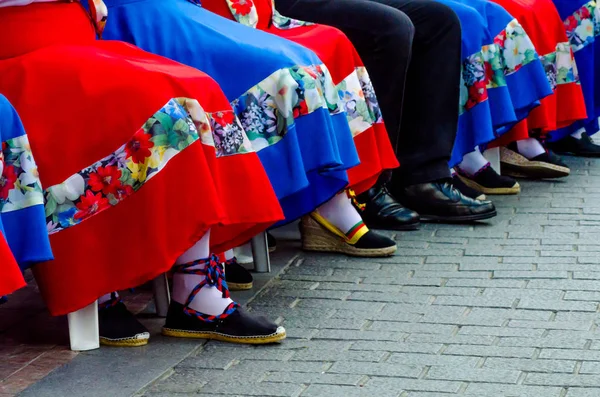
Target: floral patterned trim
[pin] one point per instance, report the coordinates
(244, 11)
(283, 22)
(20, 185)
(270, 108)
(369, 94)
(117, 176)
(584, 25)
(516, 47)
(560, 66)
(494, 66)
(473, 87)
(353, 99)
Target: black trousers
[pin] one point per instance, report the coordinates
(412, 51)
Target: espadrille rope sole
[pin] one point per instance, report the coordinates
(239, 286)
(138, 340)
(515, 165)
(316, 238)
(516, 189)
(277, 336)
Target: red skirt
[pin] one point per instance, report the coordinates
(543, 24)
(347, 70)
(11, 279)
(133, 177)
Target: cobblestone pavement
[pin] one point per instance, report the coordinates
(505, 308)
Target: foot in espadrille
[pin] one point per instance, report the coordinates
(488, 181)
(235, 325)
(545, 165)
(208, 312)
(237, 276)
(119, 327)
(466, 190)
(318, 234)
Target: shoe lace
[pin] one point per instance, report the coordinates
(352, 196)
(214, 276)
(112, 302)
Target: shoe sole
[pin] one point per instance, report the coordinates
(124, 342)
(516, 189)
(517, 166)
(318, 239)
(246, 340)
(402, 228)
(239, 286)
(457, 219)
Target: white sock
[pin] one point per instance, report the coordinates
(473, 162)
(530, 148)
(209, 300)
(229, 254)
(107, 297)
(577, 134)
(340, 212)
(452, 172)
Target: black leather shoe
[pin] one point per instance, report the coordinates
(440, 201)
(379, 210)
(584, 147)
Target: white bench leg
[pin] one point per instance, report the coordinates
(260, 252)
(83, 328)
(162, 296)
(493, 156)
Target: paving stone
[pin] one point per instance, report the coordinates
(336, 355)
(479, 301)
(324, 323)
(566, 354)
(559, 343)
(582, 392)
(474, 375)
(527, 365)
(388, 297)
(504, 390)
(452, 339)
(432, 359)
(430, 348)
(347, 391)
(489, 351)
(485, 283)
(336, 334)
(500, 331)
(412, 327)
(562, 380)
(528, 275)
(543, 304)
(579, 326)
(376, 369)
(423, 385)
(590, 368)
(327, 379)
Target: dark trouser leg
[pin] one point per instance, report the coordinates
(418, 92)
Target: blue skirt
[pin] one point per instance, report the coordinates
(579, 15)
(278, 89)
(475, 122)
(22, 216)
(521, 77)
